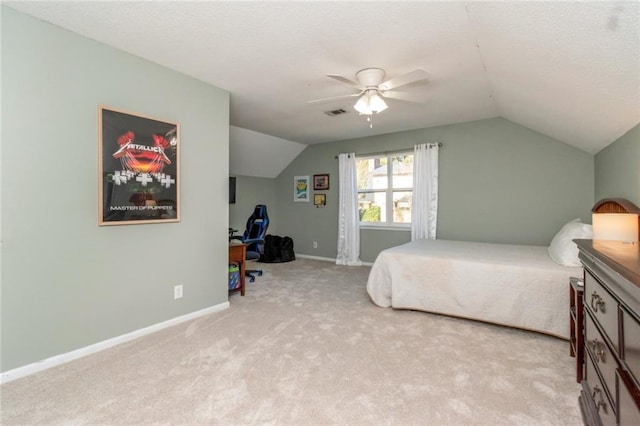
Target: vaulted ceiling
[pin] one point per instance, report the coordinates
(569, 70)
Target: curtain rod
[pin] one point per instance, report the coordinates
(395, 151)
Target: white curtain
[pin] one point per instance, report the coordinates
(348, 217)
(424, 210)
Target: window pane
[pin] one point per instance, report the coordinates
(402, 171)
(372, 206)
(372, 173)
(385, 188)
(402, 206)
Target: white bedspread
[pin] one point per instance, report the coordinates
(517, 286)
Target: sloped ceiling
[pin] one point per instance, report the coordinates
(569, 70)
(256, 154)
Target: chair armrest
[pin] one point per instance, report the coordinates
(235, 237)
(248, 241)
(254, 240)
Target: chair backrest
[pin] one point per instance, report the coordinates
(257, 225)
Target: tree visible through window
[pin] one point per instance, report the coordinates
(385, 189)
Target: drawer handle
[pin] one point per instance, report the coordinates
(600, 403)
(598, 350)
(597, 302)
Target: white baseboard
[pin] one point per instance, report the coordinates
(307, 256)
(327, 259)
(54, 361)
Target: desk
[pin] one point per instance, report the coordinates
(238, 254)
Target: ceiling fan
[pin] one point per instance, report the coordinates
(372, 89)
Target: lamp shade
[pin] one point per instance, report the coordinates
(615, 226)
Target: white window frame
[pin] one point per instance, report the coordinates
(395, 226)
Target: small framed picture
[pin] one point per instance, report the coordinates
(319, 200)
(301, 188)
(321, 182)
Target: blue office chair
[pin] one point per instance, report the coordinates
(254, 236)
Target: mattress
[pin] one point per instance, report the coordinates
(511, 285)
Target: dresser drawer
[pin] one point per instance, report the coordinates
(631, 344)
(602, 402)
(601, 355)
(628, 408)
(603, 307)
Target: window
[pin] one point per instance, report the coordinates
(385, 189)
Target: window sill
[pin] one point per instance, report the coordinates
(386, 227)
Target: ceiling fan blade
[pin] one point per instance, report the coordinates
(390, 94)
(343, 80)
(403, 80)
(333, 98)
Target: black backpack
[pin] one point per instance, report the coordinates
(277, 249)
(286, 250)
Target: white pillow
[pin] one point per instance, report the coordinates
(562, 249)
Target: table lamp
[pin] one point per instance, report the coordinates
(615, 220)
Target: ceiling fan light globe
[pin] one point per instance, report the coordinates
(376, 103)
(363, 105)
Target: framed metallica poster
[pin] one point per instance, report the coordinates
(139, 168)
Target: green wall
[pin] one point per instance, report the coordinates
(66, 282)
(249, 192)
(499, 182)
(617, 168)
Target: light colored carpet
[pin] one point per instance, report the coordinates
(306, 346)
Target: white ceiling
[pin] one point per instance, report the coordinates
(569, 70)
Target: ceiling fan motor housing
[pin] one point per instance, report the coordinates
(370, 77)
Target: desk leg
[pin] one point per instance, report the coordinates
(242, 262)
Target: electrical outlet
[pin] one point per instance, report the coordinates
(177, 292)
(315, 244)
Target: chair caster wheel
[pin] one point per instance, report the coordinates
(252, 279)
(259, 273)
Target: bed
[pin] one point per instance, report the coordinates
(511, 285)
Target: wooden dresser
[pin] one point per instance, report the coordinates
(611, 387)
